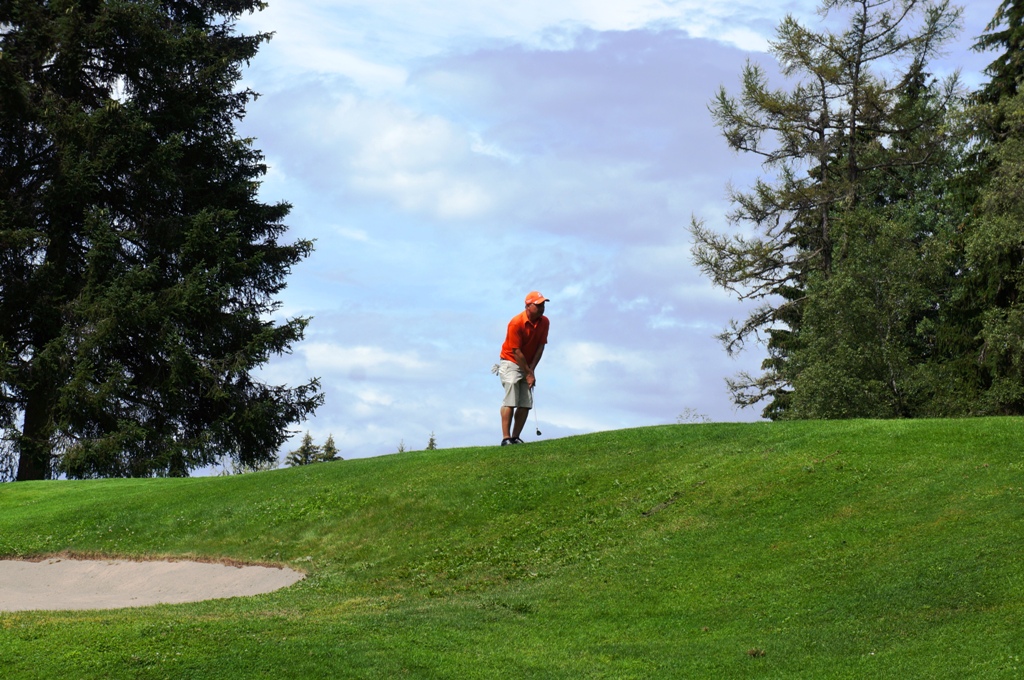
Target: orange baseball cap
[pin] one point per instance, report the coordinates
(535, 298)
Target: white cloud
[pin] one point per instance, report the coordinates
(587, 360)
(380, 149)
(353, 234)
(372, 43)
(362, 362)
(369, 402)
(486, 148)
(595, 143)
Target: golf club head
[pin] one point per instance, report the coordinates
(538, 431)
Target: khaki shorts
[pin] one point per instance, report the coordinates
(517, 392)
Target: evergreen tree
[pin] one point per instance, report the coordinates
(432, 443)
(994, 246)
(138, 268)
(307, 453)
(1005, 32)
(824, 140)
(995, 267)
(875, 340)
(329, 451)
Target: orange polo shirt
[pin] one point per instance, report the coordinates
(527, 337)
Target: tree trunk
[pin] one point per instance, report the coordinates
(34, 442)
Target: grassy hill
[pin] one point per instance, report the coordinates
(797, 550)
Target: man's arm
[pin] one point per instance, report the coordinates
(526, 368)
(536, 359)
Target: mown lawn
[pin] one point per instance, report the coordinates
(794, 550)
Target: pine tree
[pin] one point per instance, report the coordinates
(138, 268)
(432, 443)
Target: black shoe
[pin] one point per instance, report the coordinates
(506, 442)
(516, 440)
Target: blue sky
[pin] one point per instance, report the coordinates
(448, 157)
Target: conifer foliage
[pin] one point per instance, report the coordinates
(886, 245)
(995, 266)
(309, 452)
(841, 145)
(1005, 35)
(138, 268)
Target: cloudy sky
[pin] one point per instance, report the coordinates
(450, 156)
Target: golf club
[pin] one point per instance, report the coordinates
(535, 418)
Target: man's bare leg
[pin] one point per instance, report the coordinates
(506, 422)
(522, 415)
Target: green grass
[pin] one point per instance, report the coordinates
(858, 549)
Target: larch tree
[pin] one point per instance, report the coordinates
(138, 267)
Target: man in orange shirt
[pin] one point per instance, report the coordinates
(524, 346)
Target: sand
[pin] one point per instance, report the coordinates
(60, 583)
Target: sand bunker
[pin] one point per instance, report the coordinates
(62, 583)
